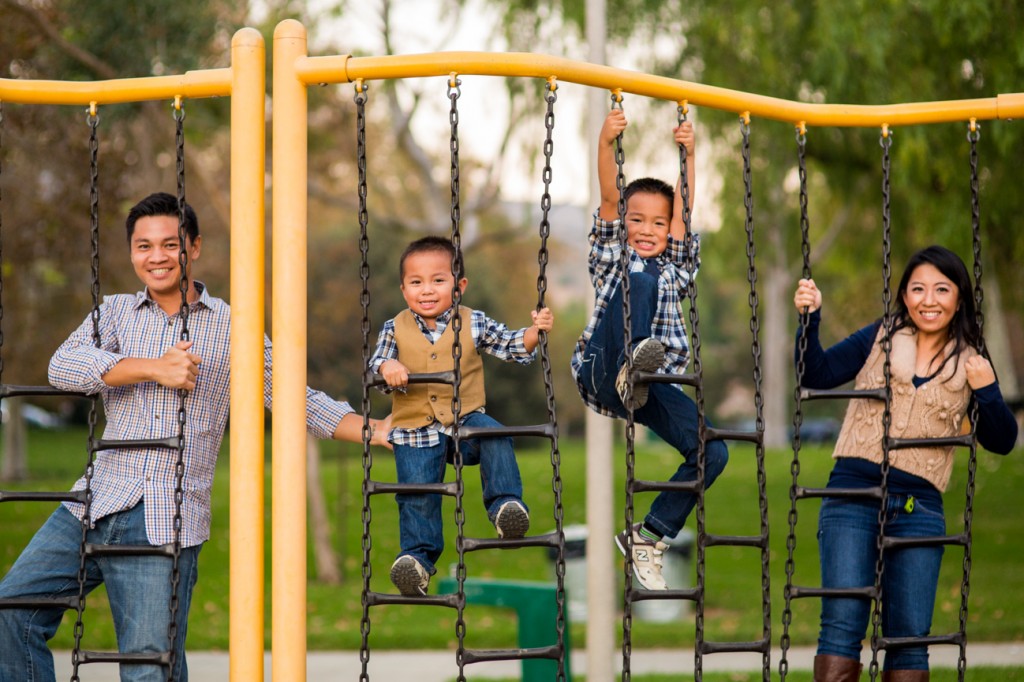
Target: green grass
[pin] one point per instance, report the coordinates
(732, 607)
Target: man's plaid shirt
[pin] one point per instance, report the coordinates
(134, 326)
(491, 337)
(606, 276)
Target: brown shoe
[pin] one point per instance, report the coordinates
(836, 669)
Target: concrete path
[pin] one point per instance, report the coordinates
(439, 666)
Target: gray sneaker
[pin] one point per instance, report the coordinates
(646, 559)
(512, 520)
(648, 355)
(409, 576)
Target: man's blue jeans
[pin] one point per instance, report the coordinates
(847, 537)
(138, 588)
(669, 412)
(419, 516)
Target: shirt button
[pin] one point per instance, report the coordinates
(156, 416)
(149, 478)
(170, 323)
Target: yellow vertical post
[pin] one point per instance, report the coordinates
(248, 156)
(288, 469)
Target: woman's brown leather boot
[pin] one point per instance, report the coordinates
(837, 669)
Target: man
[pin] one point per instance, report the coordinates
(138, 370)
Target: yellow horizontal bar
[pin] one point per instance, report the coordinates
(190, 85)
(344, 68)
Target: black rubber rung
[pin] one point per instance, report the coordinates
(735, 541)
(956, 638)
(162, 658)
(129, 550)
(474, 544)
(658, 486)
(13, 391)
(379, 488)
(760, 646)
(689, 594)
(838, 592)
(842, 393)
(733, 434)
(39, 496)
(847, 493)
(171, 443)
(422, 378)
(688, 379)
(553, 652)
(903, 443)
(382, 599)
(39, 603)
(544, 430)
(926, 541)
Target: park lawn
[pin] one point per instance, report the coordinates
(732, 603)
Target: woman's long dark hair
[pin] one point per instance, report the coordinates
(963, 329)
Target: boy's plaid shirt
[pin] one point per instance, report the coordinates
(606, 276)
(134, 326)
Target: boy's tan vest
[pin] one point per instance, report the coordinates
(935, 409)
(422, 404)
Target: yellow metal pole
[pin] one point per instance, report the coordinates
(288, 531)
(190, 85)
(248, 157)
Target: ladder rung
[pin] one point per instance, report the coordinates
(836, 592)
(553, 652)
(39, 603)
(657, 486)
(842, 393)
(735, 541)
(380, 488)
(422, 378)
(37, 496)
(689, 594)
(759, 646)
(956, 638)
(162, 658)
(856, 493)
(171, 443)
(382, 599)
(901, 443)
(13, 391)
(547, 540)
(688, 379)
(129, 550)
(734, 434)
(924, 541)
(545, 430)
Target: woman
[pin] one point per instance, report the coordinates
(935, 372)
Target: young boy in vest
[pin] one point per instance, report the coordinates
(659, 269)
(419, 340)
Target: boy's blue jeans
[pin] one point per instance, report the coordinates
(138, 588)
(669, 412)
(419, 516)
(847, 536)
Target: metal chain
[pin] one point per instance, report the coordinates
(1, 241)
(454, 91)
(549, 388)
(178, 111)
(973, 135)
(755, 351)
(876, 612)
(364, 300)
(801, 368)
(92, 119)
(627, 608)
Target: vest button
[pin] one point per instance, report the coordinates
(433, 398)
(433, 356)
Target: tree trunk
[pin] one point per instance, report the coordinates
(327, 570)
(14, 463)
(776, 356)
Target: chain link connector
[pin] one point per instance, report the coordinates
(92, 114)
(552, 83)
(885, 134)
(178, 109)
(682, 108)
(453, 80)
(973, 130)
(801, 130)
(617, 98)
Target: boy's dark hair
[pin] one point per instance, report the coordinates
(650, 186)
(160, 204)
(963, 328)
(426, 245)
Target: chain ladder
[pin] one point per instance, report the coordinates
(1, 241)
(364, 300)
(92, 119)
(973, 135)
(876, 611)
(179, 466)
(627, 608)
(454, 91)
(549, 389)
(801, 367)
(755, 351)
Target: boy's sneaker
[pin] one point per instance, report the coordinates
(410, 577)
(512, 520)
(647, 357)
(646, 558)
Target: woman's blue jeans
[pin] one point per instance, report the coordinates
(138, 588)
(669, 412)
(847, 537)
(421, 532)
